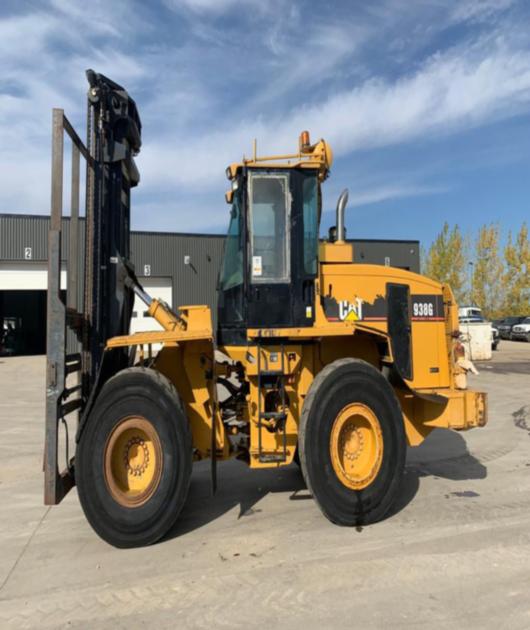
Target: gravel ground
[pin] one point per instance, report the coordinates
(456, 553)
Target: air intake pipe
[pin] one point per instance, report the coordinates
(341, 207)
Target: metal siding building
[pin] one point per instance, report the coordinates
(191, 260)
(179, 268)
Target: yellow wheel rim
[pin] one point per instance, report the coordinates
(356, 446)
(133, 461)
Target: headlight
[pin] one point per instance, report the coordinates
(235, 184)
(228, 173)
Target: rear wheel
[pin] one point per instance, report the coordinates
(352, 443)
(133, 461)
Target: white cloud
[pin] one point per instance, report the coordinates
(383, 192)
(293, 71)
(205, 92)
(210, 6)
(479, 10)
(448, 94)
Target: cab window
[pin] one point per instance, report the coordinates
(270, 209)
(311, 220)
(232, 267)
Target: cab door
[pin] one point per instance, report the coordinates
(283, 228)
(269, 210)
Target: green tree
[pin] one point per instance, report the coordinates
(516, 278)
(488, 272)
(446, 260)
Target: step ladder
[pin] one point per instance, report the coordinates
(272, 380)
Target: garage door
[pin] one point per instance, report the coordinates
(23, 307)
(26, 276)
(161, 288)
(23, 304)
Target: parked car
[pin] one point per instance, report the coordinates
(495, 337)
(506, 325)
(522, 330)
(478, 319)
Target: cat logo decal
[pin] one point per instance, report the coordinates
(351, 311)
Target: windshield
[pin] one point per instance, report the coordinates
(232, 268)
(270, 210)
(526, 320)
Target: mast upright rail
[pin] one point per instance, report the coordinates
(62, 314)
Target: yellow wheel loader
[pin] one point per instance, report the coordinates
(335, 365)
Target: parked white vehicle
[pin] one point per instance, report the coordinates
(477, 338)
(478, 319)
(469, 311)
(522, 330)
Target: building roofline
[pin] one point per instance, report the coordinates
(45, 217)
(155, 233)
(383, 240)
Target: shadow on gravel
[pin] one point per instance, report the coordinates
(512, 367)
(521, 418)
(237, 486)
(444, 454)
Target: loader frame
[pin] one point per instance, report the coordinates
(324, 356)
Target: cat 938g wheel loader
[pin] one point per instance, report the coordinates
(315, 359)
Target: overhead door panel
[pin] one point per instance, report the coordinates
(157, 287)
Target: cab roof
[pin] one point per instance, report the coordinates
(316, 156)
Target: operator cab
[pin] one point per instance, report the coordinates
(267, 278)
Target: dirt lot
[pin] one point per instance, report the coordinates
(456, 554)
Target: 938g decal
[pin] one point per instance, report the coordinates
(423, 309)
(427, 308)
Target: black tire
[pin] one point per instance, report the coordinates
(130, 393)
(339, 384)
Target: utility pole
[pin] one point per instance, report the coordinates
(472, 302)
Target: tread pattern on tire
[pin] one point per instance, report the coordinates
(319, 382)
(148, 381)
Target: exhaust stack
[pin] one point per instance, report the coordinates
(341, 207)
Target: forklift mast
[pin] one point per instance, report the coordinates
(102, 307)
(113, 136)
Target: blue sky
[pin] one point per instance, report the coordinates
(426, 104)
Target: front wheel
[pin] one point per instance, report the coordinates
(134, 458)
(352, 443)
